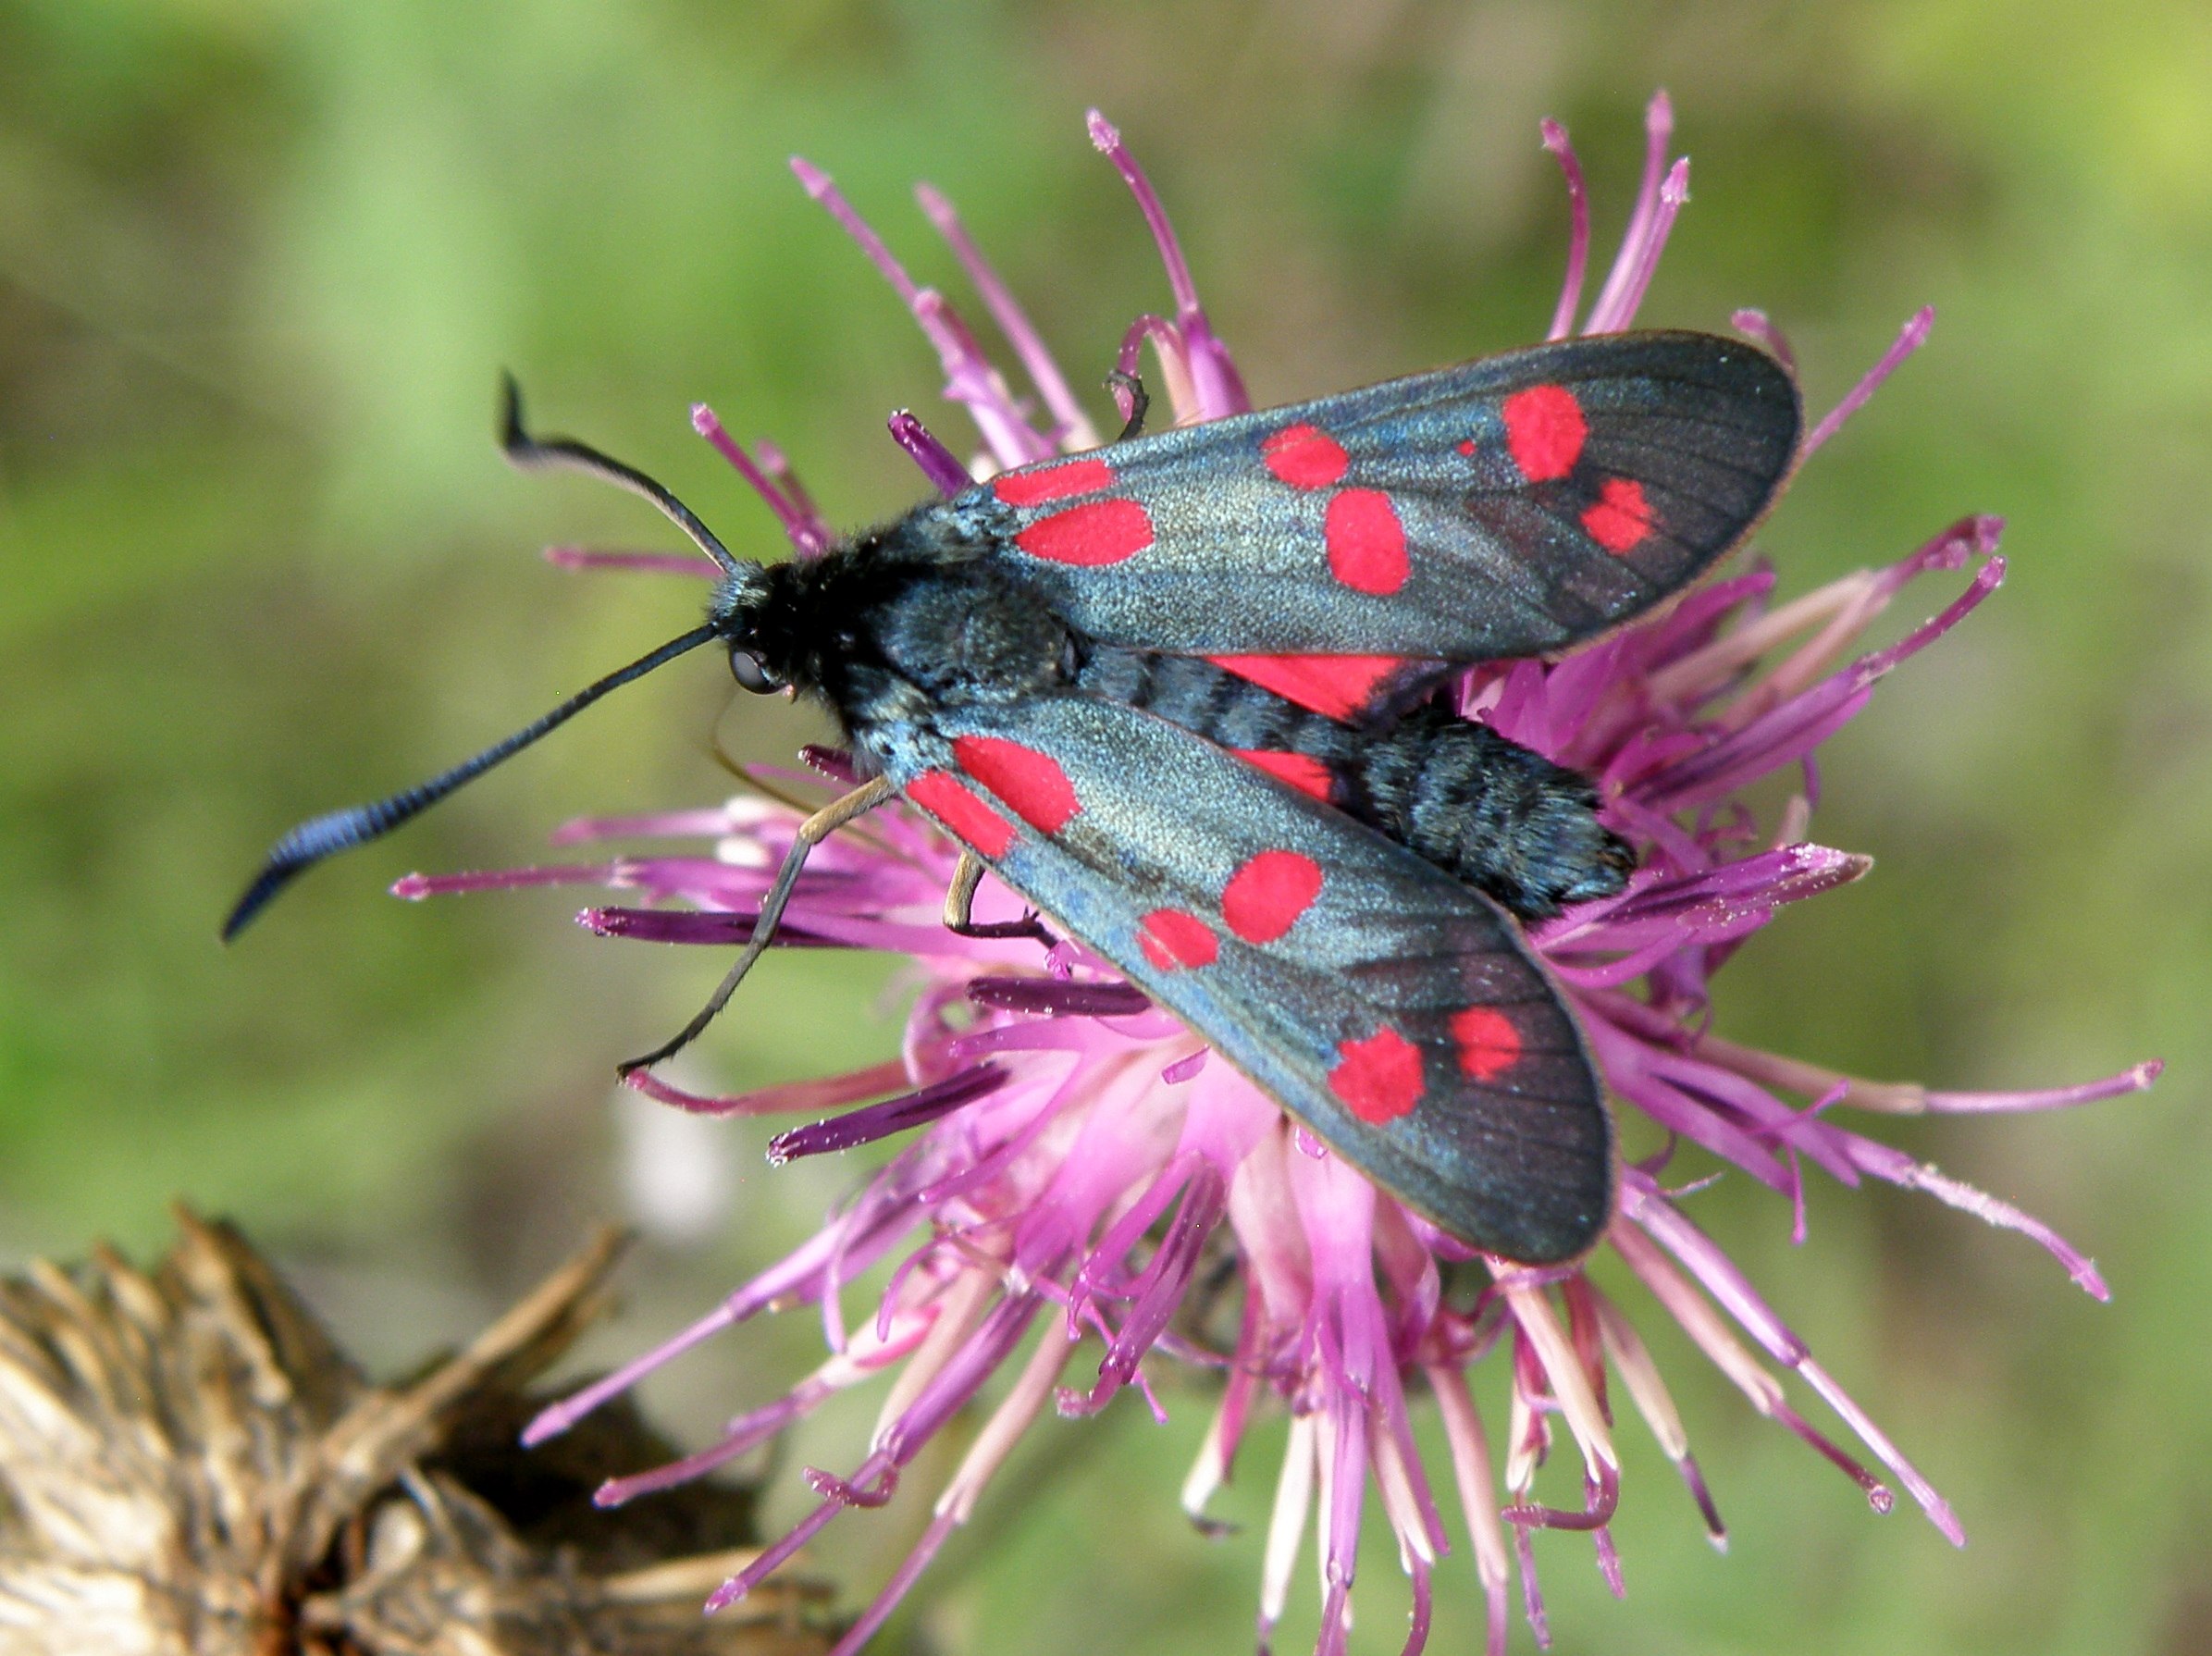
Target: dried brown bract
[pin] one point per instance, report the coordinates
(190, 1466)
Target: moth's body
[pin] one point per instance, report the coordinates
(1180, 693)
(914, 618)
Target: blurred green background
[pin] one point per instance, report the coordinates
(260, 263)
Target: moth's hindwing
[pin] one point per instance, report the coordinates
(1339, 552)
(1395, 1011)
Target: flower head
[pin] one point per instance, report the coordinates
(1078, 1167)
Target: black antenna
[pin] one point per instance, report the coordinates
(564, 453)
(341, 829)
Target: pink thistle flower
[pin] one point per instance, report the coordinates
(1076, 1160)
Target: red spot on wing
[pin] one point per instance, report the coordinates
(1338, 686)
(1032, 486)
(1366, 542)
(1032, 782)
(1544, 429)
(965, 817)
(1378, 1079)
(1096, 532)
(1265, 897)
(1173, 938)
(1304, 457)
(1307, 776)
(1488, 1044)
(1620, 516)
(1466, 445)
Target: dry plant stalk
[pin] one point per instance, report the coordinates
(190, 1466)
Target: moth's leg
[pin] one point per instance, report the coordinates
(960, 908)
(1140, 401)
(959, 896)
(812, 833)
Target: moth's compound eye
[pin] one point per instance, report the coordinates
(746, 667)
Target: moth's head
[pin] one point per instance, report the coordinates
(738, 614)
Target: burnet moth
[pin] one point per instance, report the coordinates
(1177, 693)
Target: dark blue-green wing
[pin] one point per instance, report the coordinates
(1395, 1011)
(1511, 506)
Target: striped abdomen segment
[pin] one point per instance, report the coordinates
(1500, 817)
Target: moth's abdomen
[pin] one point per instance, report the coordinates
(1482, 808)
(1209, 701)
(1498, 815)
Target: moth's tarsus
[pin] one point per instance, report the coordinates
(959, 910)
(1031, 926)
(1140, 401)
